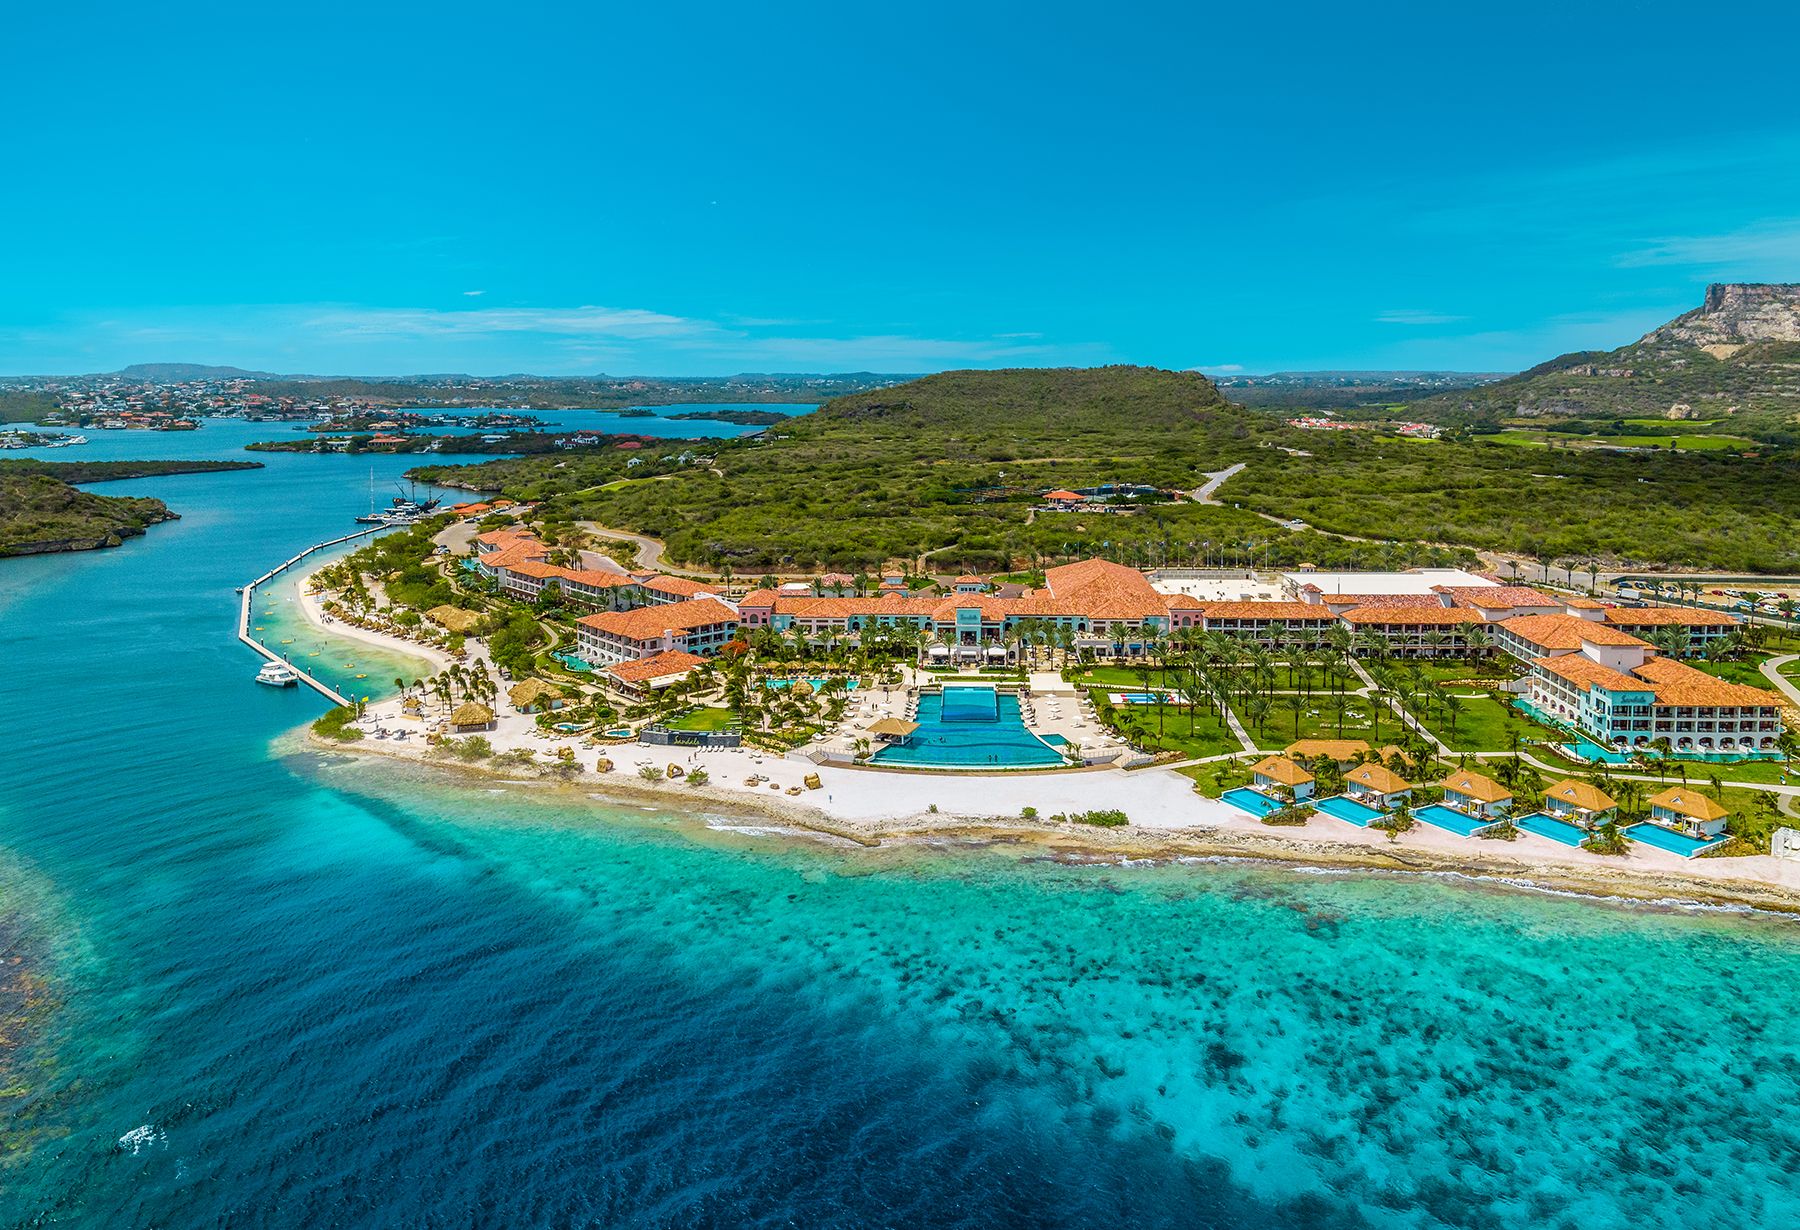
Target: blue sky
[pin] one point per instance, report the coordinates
(692, 189)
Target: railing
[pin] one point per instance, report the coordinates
(249, 593)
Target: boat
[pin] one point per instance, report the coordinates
(278, 675)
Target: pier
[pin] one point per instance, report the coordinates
(249, 593)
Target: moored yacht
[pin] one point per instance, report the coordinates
(278, 675)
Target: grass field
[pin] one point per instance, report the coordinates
(1318, 721)
(1483, 725)
(1745, 672)
(1169, 728)
(1690, 444)
(1213, 780)
(710, 719)
(1125, 679)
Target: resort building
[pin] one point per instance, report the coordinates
(1580, 803)
(1613, 690)
(1417, 631)
(697, 626)
(1278, 775)
(1688, 811)
(1310, 586)
(1266, 623)
(1476, 795)
(1654, 622)
(1377, 785)
(641, 676)
(470, 717)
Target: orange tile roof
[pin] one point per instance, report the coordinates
(1063, 495)
(649, 622)
(1566, 632)
(758, 598)
(1476, 786)
(1688, 802)
(1442, 616)
(1583, 796)
(680, 586)
(1378, 778)
(1679, 684)
(1585, 672)
(656, 666)
(1281, 769)
(1183, 602)
(1662, 616)
(596, 578)
(1497, 597)
(1101, 589)
(1583, 604)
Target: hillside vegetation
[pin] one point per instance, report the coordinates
(1733, 363)
(39, 514)
(949, 469)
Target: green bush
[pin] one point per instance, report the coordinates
(1106, 818)
(334, 723)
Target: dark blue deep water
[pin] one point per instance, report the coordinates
(285, 989)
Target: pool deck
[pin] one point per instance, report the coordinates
(1055, 708)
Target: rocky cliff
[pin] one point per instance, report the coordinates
(1735, 314)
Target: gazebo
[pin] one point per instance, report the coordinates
(894, 730)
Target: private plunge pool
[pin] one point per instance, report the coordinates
(1255, 802)
(1359, 814)
(1668, 839)
(970, 728)
(1439, 816)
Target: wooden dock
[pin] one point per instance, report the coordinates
(249, 593)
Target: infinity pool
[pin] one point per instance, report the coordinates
(1253, 801)
(1359, 814)
(961, 742)
(1439, 816)
(1556, 830)
(817, 684)
(1668, 839)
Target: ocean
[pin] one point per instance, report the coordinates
(274, 987)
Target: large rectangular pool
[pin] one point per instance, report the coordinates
(1668, 839)
(1359, 814)
(970, 704)
(1560, 831)
(962, 742)
(1439, 816)
(1255, 802)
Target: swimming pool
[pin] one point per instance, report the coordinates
(578, 665)
(1144, 698)
(1668, 839)
(962, 742)
(1549, 826)
(1439, 816)
(1253, 801)
(1359, 814)
(817, 684)
(976, 703)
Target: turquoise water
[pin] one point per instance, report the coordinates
(295, 990)
(1255, 802)
(1439, 816)
(961, 740)
(1670, 840)
(1559, 831)
(818, 684)
(969, 704)
(1359, 814)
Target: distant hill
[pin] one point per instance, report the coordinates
(167, 373)
(1734, 361)
(1346, 389)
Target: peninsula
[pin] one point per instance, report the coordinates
(42, 511)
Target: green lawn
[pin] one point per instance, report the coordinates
(1317, 720)
(1791, 670)
(1169, 728)
(1213, 780)
(1125, 678)
(1691, 444)
(1483, 724)
(1745, 672)
(711, 718)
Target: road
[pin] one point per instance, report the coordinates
(649, 550)
(1772, 672)
(1203, 494)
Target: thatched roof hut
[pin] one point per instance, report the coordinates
(471, 716)
(603, 765)
(893, 729)
(454, 618)
(533, 694)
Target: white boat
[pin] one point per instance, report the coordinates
(278, 675)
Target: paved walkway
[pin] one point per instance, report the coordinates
(1772, 672)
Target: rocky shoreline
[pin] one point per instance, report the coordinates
(1082, 843)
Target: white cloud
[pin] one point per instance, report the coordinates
(1772, 248)
(1220, 369)
(474, 293)
(1413, 316)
